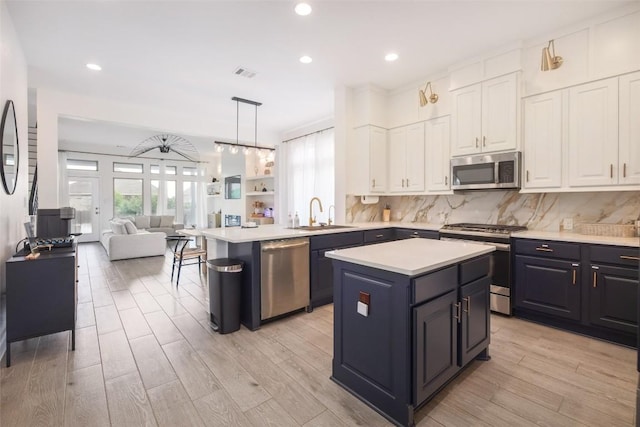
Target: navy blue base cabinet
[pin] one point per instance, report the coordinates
(321, 267)
(419, 332)
(585, 288)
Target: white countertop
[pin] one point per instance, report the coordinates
(274, 231)
(566, 236)
(411, 257)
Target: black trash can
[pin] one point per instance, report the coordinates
(225, 281)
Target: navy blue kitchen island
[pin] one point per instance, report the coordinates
(408, 316)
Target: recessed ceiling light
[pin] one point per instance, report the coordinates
(303, 9)
(94, 67)
(390, 57)
(306, 59)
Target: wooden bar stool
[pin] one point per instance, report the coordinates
(184, 255)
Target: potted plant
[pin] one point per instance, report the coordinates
(386, 213)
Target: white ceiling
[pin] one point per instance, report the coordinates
(181, 54)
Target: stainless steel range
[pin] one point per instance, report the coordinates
(498, 236)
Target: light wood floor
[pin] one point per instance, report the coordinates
(145, 355)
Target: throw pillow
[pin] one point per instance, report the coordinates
(118, 227)
(166, 221)
(154, 221)
(143, 221)
(130, 227)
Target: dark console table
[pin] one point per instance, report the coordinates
(41, 295)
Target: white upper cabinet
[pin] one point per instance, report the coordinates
(543, 141)
(406, 159)
(467, 122)
(593, 134)
(485, 116)
(368, 154)
(437, 142)
(397, 157)
(377, 160)
(629, 143)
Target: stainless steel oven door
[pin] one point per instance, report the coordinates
(500, 271)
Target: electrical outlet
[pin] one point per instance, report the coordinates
(567, 223)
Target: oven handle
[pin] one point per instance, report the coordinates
(504, 247)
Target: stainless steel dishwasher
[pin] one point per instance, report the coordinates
(284, 276)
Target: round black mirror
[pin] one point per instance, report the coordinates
(9, 148)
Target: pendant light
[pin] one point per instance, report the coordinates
(234, 148)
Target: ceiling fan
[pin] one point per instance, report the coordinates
(167, 143)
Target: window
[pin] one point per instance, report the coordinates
(189, 202)
(155, 192)
(127, 167)
(82, 165)
(170, 198)
(309, 172)
(187, 171)
(154, 169)
(163, 197)
(170, 170)
(127, 197)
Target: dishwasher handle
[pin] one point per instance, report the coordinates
(279, 246)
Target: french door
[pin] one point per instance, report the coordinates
(84, 196)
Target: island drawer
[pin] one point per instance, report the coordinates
(337, 240)
(378, 236)
(474, 269)
(435, 284)
(548, 249)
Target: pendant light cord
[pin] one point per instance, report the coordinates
(237, 120)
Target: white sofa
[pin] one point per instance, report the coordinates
(153, 223)
(141, 244)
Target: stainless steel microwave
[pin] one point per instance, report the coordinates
(486, 171)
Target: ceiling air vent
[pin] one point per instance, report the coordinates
(242, 71)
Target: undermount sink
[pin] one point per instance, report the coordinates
(319, 227)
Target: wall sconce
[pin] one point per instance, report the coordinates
(549, 59)
(433, 98)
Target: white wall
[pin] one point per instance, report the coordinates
(13, 85)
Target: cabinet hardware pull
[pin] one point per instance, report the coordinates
(527, 175)
(611, 170)
(374, 182)
(467, 300)
(632, 258)
(573, 281)
(544, 249)
(624, 170)
(402, 182)
(484, 141)
(446, 178)
(378, 236)
(476, 142)
(595, 280)
(457, 315)
(407, 182)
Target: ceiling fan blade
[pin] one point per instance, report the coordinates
(140, 152)
(183, 155)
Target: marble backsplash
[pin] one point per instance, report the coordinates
(544, 211)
